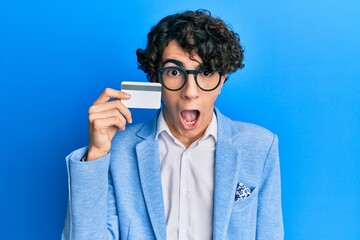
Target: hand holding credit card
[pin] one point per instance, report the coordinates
(143, 94)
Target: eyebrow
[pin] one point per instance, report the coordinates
(179, 63)
(176, 62)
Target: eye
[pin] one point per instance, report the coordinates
(173, 72)
(206, 73)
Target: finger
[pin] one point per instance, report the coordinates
(116, 104)
(109, 93)
(106, 114)
(101, 124)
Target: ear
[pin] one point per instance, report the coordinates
(222, 81)
(153, 77)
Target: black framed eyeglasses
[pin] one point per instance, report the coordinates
(174, 78)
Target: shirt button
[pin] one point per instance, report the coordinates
(185, 191)
(184, 230)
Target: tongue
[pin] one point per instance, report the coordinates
(190, 115)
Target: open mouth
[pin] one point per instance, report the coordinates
(190, 117)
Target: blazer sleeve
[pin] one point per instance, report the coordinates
(269, 216)
(91, 212)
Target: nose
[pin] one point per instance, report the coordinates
(190, 90)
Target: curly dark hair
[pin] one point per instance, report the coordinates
(197, 32)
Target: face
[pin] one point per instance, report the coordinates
(189, 110)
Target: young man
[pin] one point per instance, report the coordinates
(189, 173)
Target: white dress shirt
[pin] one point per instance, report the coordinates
(187, 177)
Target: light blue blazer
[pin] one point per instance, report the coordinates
(120, 196)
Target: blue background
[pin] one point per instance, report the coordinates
(301, 80)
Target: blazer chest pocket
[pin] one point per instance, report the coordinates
(245, 202)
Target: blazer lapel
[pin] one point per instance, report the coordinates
(227, 164)
(147, 152)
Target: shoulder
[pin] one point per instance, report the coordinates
(253, 131)
(248, 135)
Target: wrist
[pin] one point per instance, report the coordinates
(94, 153)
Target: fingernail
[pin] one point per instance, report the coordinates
(127, 95)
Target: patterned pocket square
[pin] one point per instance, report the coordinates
(242, 192)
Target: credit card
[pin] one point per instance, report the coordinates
(143, 94)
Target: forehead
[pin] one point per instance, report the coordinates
(175, 54)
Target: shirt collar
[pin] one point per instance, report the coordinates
(162, 126)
